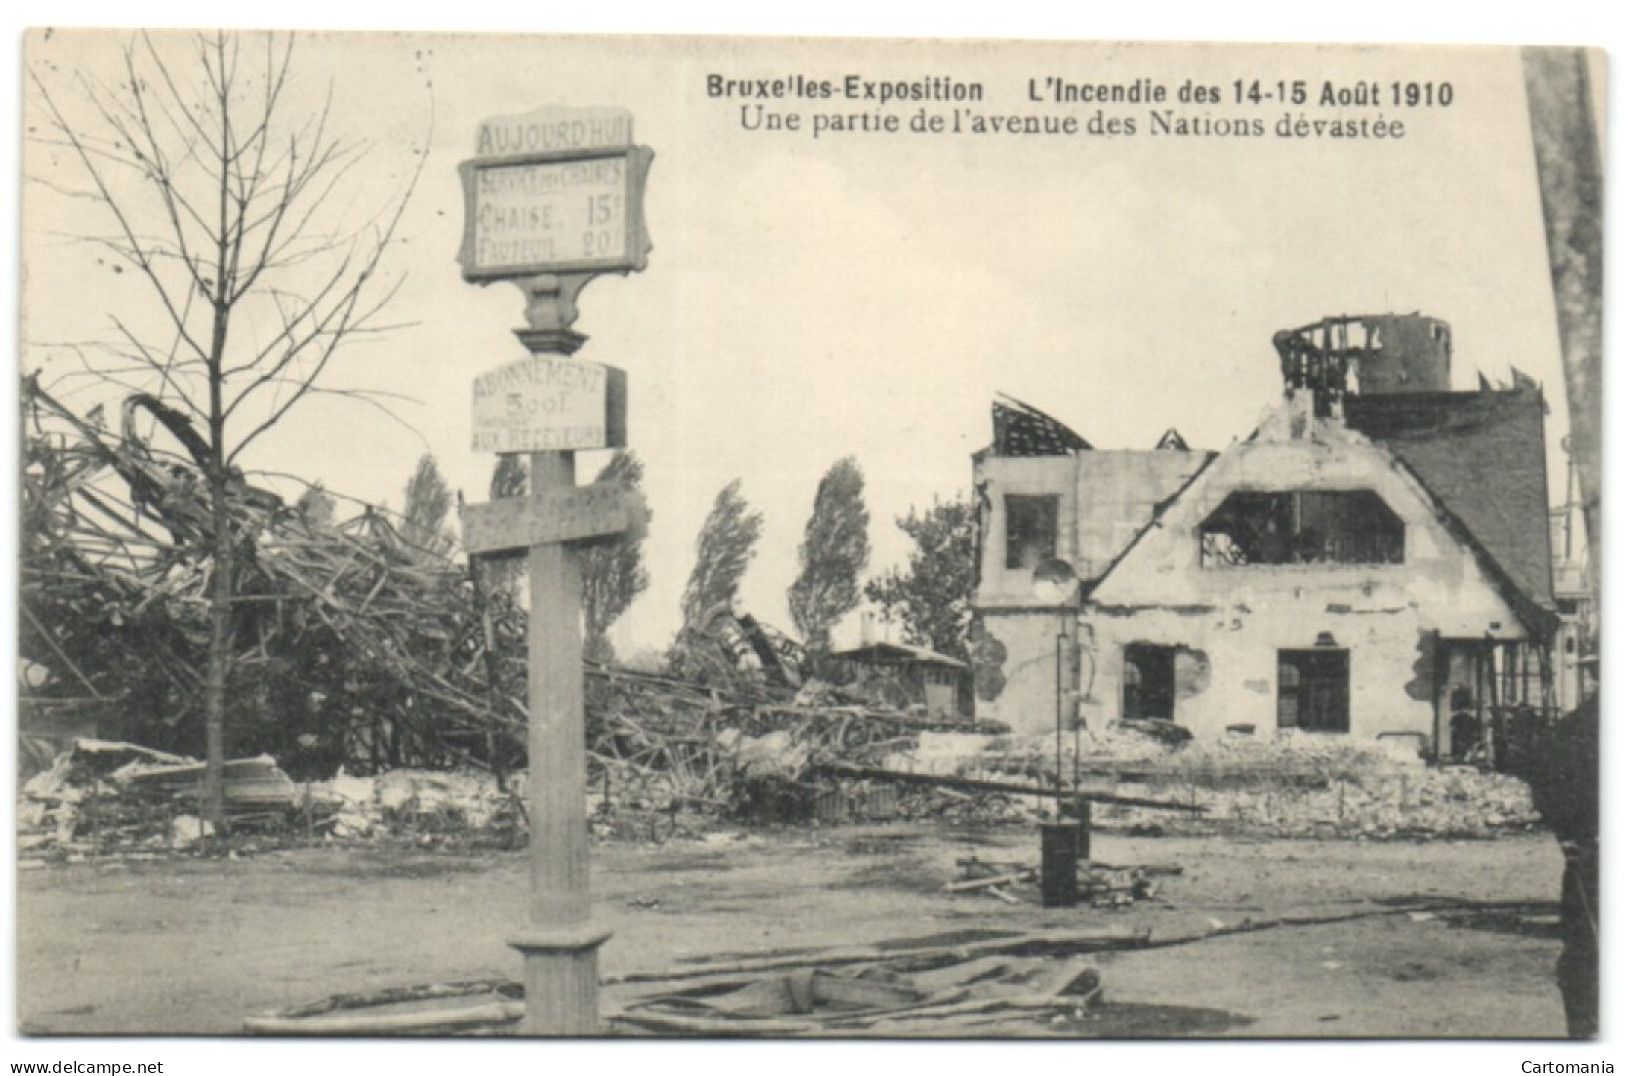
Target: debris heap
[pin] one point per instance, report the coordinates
(100, 796)
(352, 645)
(661, 745)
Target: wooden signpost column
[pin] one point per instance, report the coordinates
(553, 199)
(559, 944)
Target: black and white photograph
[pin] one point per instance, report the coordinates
(700, 537)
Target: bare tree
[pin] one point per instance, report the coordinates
(232, 202)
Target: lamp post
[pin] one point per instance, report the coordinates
(1056, 584)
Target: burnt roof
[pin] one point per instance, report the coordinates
(1482, 457)
(1020, 429)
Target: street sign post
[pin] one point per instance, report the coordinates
(552, 199)
(550, 516)
(554, 213)
(546, 403)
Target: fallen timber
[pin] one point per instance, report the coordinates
(911, 955)
(377, 642)
(1012, 976)
(971, 784)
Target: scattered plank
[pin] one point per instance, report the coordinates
(430, 1022)
(968, 885)
(974, 784)
(901, 955)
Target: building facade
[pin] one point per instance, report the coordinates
(1372, 561)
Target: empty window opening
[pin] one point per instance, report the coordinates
(1030, 524)
(1302, 527)
(1313, 690)
(1148, 681)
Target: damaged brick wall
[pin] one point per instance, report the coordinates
(1020, 689)
(987, 656)
(1192, 672)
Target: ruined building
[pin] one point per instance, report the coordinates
(1372, 561)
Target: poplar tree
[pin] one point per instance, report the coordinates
(834, 553)
(724, 549)
(428, 502)
(612, 571)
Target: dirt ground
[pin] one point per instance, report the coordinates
(1411, 939)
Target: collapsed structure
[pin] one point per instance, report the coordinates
(1373, 560)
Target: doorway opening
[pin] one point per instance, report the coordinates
(1148, 681)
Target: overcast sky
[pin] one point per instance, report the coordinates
(867, 294)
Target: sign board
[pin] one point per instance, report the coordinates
(560, 515)
(546, 404)
(554, 191)
(553, 129)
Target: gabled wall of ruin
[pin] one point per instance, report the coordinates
(1227, 624)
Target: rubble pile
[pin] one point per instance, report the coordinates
(666, 757)
(100, 796)
(1298, 784)
(1032, 757)
(1289, 784)
(420, 803)
(1450, 802)
(362, 649)
(1293, 753)
(663, 746)
(1041, 983)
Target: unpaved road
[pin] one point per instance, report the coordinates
(1431, 939)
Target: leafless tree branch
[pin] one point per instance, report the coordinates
(227, 206)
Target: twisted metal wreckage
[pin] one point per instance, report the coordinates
(344, 632)
(357, 647)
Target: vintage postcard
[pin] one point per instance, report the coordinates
(807, 539)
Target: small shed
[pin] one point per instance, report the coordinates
(937, 678)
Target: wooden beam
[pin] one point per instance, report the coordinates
(973, 785)
(550, 515)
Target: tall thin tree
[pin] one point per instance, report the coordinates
(509, 478)
(234, 203)
(612, 571)
(724, 549)
(834, 553)
(428, 501)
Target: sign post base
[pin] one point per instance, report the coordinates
(560, 963)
